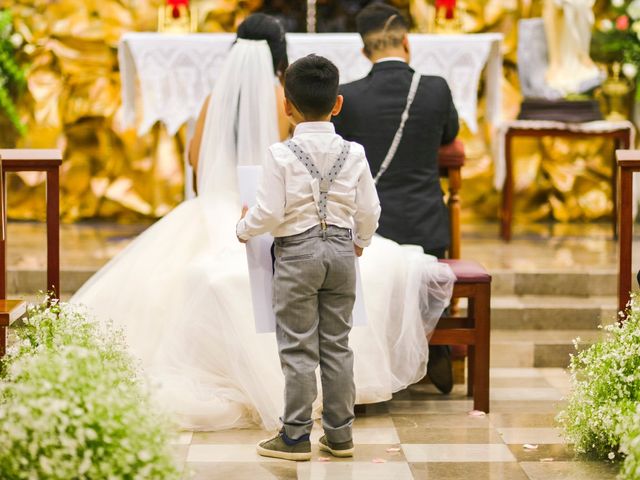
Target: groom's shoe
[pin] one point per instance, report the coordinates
(439, 369)
(342, 449)
(286, 448)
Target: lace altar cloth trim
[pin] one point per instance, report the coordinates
(176, 72)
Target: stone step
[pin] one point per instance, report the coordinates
(545, 312)
(28, 280)
(539, 349)
(504, 282)
(578, 283)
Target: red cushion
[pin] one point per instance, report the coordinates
(451, 155)
(468, 271)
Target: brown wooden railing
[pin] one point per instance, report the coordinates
(30, 160)
(628, 162)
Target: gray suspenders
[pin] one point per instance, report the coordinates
(324, 182)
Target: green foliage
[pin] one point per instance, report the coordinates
(609, 46)
(12, 73)
(72, 405)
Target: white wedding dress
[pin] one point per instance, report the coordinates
(181, 289)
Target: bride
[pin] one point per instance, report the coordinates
(181, 289)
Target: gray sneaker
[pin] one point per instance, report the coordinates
(286, 449)
(343, 449)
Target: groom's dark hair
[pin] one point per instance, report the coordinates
(311, 85)
(381, 26)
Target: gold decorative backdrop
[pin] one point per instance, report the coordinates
(73, 103)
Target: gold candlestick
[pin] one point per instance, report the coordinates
(186, 22)
(616, 89)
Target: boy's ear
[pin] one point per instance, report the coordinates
(337, 106)
(288, 107)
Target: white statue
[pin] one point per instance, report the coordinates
(568, 25)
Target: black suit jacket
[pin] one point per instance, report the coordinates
(413, 210)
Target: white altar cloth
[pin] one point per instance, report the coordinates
(176, 72)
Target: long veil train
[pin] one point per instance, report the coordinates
(181, 289)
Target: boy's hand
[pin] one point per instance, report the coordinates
(245, 209)
(358, 250)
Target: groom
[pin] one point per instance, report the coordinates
(413, 209)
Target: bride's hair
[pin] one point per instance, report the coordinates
(264, 27)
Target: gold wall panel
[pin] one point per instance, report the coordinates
(73, 103)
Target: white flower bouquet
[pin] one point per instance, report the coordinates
(601, 412)
(72, 405)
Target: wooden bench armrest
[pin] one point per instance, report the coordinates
(11, 310)
(31, 158)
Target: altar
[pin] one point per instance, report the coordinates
(173, 73)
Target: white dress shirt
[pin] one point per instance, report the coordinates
(285, 204)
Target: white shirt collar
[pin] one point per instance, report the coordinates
(391, 59)
(314, 127)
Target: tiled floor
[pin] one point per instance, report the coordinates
(421, 434)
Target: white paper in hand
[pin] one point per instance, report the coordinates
(260, 266)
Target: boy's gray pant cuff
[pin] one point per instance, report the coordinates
(294, 432)
(340, 434)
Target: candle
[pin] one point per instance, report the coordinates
(449, 7)
(175, 6)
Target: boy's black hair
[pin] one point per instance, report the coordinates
(380, 26)
(311, 85)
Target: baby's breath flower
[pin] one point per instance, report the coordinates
(605, 389)
(72, 403)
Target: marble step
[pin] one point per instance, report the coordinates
(545, 312)
(504, 282)
(31, 280)
(538, 349)
(579, 283)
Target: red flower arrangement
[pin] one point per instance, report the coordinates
(622, 22)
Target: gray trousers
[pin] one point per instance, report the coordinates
(313, 295)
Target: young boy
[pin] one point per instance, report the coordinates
(318, 199)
